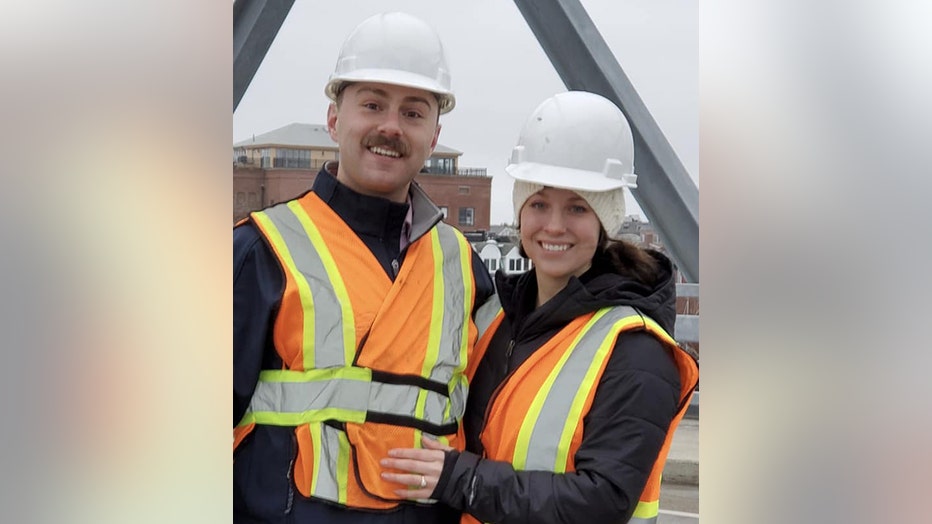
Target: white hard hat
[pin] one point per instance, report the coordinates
(398, 49)
(575, 140)
(578, 141)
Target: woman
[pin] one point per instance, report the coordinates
(576, 386)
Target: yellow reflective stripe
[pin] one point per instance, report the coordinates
(312, 415)
(646, 510)
(316, 375)
(436, 326)
(331, 469)
(316, 438)
(304, 290)
(530, 419)
(285, 397)
(659, 331)
(272, 418)
(575, 413)
(437, 313)
(343, 458)
(336, 280)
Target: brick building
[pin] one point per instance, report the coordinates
(281, 164)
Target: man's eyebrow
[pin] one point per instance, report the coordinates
(374, 90)
(417, 99)
(383, 93)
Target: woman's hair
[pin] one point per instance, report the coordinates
(629, 260)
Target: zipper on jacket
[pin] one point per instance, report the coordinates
(471, 493)
(294, 455)
(496, 391)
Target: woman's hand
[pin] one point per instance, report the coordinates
(421, 468)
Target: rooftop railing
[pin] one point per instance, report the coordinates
(472, 171)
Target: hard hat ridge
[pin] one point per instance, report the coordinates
(575, 140)
(394, 48)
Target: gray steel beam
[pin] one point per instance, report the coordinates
(686, 328)
(255, 24)
(669, 198)
(687, 290)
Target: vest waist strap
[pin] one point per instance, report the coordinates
(355, 394)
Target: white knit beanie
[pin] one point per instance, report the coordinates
(609, 206)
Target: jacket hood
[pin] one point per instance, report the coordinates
(601, 286)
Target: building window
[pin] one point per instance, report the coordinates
(439, 166)
(493, 264)
(445, 211)
(292, 158)
(239, 155)
(466, 216)
(518, 265)
(464, 190)
(265, 161)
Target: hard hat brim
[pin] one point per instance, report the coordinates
(563, 177)
(393, 77)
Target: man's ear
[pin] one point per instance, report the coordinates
(433, 143)
(332, 113)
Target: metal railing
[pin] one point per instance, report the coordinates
(472, 171)
(687, 326)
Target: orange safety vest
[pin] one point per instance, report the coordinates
(368, 363)
(535, 421)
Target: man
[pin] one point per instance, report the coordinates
(352, 304)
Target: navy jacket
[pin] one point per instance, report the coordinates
(262, 486)
(635, 401)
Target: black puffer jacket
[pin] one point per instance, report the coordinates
(635, 402)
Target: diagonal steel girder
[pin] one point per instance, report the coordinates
(255, 24)
(669, 198)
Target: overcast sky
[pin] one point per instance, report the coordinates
(500, 73)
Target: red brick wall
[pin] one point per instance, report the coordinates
(444, 190)
(687, 305)
(284, 184)
(247, 190)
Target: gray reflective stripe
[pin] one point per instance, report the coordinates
(544, 443)
(399, 399)
(299, 397)
(325, 466)
(350, 396)
(635, 520)
(458, 399)
(457, 305)
(487, 313)
(328, 322)
(435, 405)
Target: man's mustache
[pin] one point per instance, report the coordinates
(395, 144)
